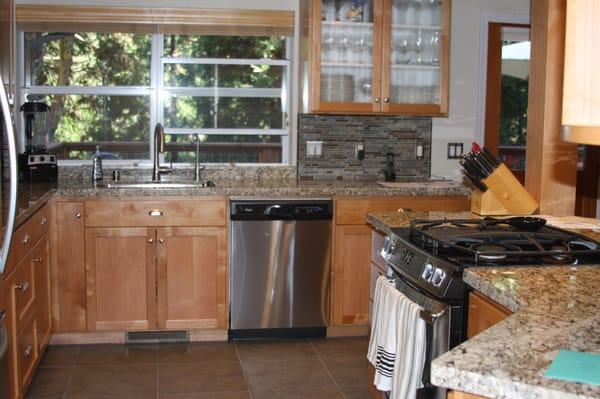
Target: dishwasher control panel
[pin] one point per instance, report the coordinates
(282, 210)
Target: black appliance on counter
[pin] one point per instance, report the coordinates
(35, 164)
(426, 263)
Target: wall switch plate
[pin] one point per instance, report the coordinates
(314, 149)
(455, 150)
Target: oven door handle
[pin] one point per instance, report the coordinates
(431, 310)
(429, 317)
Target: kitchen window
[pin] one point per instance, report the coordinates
(108, 89)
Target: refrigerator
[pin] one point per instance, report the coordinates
(8, 203)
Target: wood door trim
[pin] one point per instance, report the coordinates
(494, 83)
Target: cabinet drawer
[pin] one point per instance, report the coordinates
(27, 352)
(26, 237)
(155, 213)
(22, 285)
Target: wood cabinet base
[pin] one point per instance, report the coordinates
(463, 395)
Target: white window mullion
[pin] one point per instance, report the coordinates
(156, 73)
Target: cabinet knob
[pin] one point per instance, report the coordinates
(23, 286)
(155, 212)
(377, 100)
(28, 351)
(150, 240)
(37, 260)
(26, 239)
(386, 100)
(78, 215)
(44, 221)
(161, 240)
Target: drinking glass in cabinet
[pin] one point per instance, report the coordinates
(415, 85)
(416, 12)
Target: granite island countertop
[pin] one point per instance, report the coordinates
(555, 308)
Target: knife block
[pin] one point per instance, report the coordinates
(505, 196)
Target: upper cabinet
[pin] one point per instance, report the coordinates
(377, 56)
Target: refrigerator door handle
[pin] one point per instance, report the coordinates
(12, 155)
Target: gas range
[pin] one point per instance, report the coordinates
(432, 254)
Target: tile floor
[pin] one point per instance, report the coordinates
(312, 369)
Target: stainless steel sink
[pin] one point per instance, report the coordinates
(159, 185)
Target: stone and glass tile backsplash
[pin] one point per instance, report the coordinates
(340, 135)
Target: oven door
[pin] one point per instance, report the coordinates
(438, 318)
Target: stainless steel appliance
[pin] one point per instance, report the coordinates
(426, 262)
(280, 267)
(7, 223)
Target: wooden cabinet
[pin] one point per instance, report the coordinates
(142, 276)
(27, 296)
(192, 282)
(352, 249)
(68, 245)
(120, 278)
(463, 395)
(383, 56)
(483, 313)
(43, 305)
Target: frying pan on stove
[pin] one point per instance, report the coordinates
(527, 223)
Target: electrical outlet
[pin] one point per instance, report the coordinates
(455, 150)
(359, 151)
(314, 149)
(419, 151)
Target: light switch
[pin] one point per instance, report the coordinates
(419, 151)
(314, 149)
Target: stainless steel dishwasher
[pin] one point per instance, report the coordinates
(280, 267)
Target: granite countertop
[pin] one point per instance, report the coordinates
(555, 308)
(32, 196)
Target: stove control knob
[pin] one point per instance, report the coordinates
(427, 272)
(438, 277)
(387, 248)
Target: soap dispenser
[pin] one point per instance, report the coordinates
(97, 165)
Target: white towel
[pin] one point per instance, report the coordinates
(397, 346)
(411, 352)
(383, 342)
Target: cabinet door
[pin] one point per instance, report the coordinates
(69, 267)
(352, 259)
(416, 56)
(121, 278)
(192, 279)
(42, 293)
(346, 55)
(483, 313)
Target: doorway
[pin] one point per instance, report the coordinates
(507, 90)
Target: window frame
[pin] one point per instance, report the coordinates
(157, 93)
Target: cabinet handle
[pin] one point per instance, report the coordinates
(25, 239)
(386, 100)
(43, 221)
(37, 260)
(377, 100)
(150, 240)
(28, 351)
(78, 215)
(23, 287)
(2, 315)
(155, 212)
(161, 240)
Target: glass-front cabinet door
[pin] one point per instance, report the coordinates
(415, 52)
(347, 55)
(373, 56)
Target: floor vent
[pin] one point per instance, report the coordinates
(156, 337)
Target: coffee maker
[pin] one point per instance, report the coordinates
(35, 164)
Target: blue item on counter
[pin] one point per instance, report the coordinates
(575, 366)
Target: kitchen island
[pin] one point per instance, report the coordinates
(555, 307)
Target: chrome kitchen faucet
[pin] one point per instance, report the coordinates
(159, 148)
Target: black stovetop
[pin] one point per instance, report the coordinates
(493, 242)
